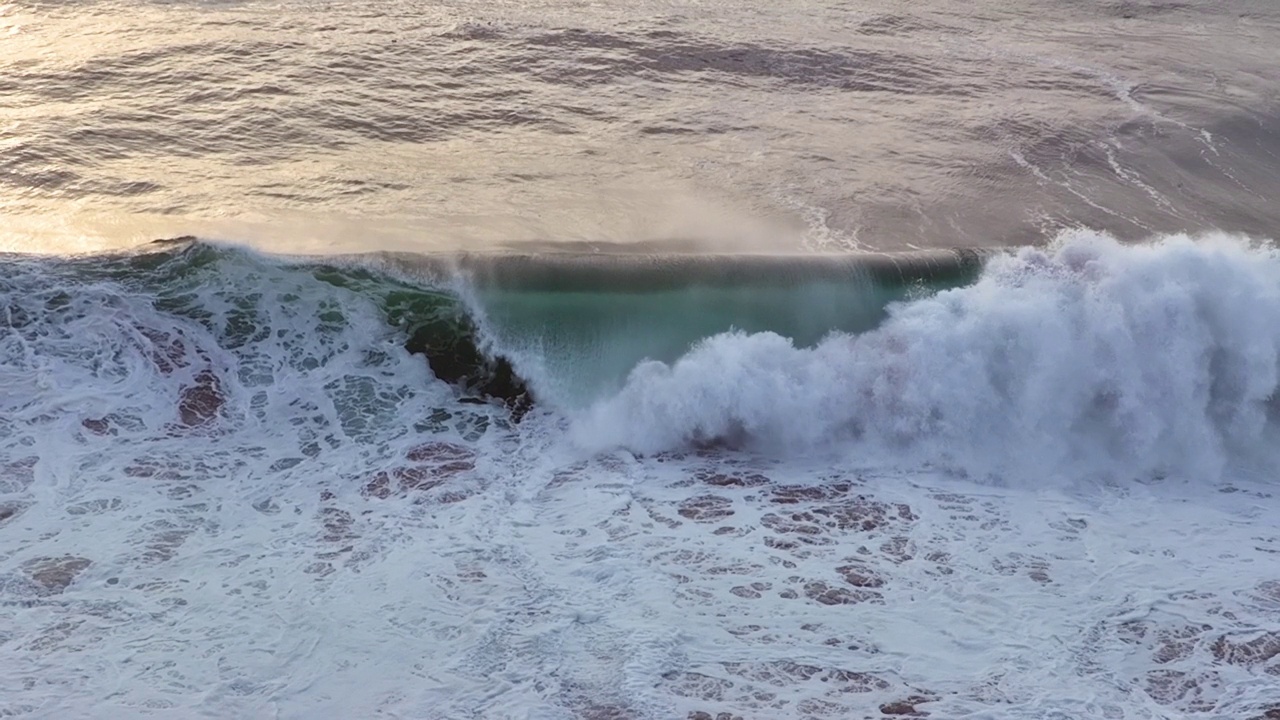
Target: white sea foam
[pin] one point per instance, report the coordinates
(343, 539)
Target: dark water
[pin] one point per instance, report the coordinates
(727, 125)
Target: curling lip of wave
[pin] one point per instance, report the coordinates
(504, 325)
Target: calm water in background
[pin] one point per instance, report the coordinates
(727, 125)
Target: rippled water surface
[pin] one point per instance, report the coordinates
(729, 125)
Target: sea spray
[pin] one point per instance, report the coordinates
(1086, 357)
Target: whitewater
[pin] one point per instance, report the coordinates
(230, 490)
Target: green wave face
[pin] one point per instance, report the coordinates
(572, 327)
(577, 346)
(516, 328)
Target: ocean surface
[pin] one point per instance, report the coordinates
(701, 360)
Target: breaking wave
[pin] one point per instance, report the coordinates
(1090, 356)
(1086, 357)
